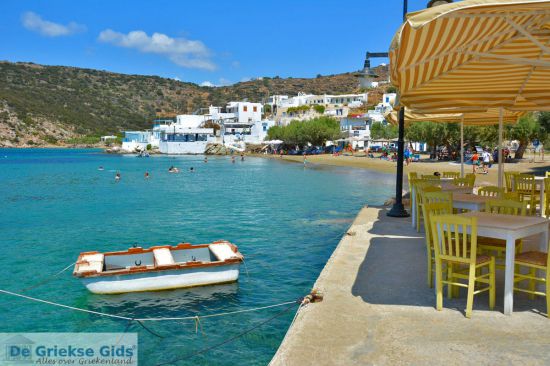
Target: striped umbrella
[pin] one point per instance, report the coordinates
(474, 55)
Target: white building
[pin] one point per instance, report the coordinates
(356, 130)
(136, 140)
(245, 111)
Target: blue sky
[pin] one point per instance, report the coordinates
(218, 42)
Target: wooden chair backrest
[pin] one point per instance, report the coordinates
(450, 174)
(513, 196)
(491, 191)
(506, 207)
(430, 210)
(509, 179)
(438, 196)
(524, 183)
(455, 238)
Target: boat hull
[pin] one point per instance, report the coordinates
(162, 280)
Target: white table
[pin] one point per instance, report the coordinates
(510, 228)
(471, 202)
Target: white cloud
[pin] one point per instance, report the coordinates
(34, 22)
(235, 64)
(221, 82)
(183, 52)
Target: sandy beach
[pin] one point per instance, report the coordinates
(425, 166)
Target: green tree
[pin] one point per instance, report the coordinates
(319, 108)
(315, 131)
(526, 130)
(380, 130)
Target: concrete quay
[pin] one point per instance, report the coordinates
(378, 310)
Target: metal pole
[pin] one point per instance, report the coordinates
(500, 155)
(398, 210)
(462, 147)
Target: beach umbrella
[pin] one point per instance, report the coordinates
(472, 56)
(490, 117)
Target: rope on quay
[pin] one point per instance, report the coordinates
(139, 320)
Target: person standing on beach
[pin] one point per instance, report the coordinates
(486, 161)
(475, 160)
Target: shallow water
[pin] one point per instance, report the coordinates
(286, 220)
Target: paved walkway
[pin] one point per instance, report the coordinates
(378, 310)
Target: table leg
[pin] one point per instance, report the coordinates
(509, 276)
(413, 206)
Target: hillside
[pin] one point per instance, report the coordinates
(54, 104)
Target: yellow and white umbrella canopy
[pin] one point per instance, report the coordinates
(489, 117)
(474, 55)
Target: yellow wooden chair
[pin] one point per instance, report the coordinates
(458, 250)
(525, 185)
(497, 247)
(546, 196)
(450, 174)
(412, 176)
(533, 261)
(547, 174)
(420, 191)
(509, 180)
(471, 179)
(429, 210)
(512, 196)
(491, 191)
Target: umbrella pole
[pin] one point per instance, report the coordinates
(462, 147)
(398, 210)
(500, 157)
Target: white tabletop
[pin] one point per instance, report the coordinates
(505, 222)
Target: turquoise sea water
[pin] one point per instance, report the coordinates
(286, 220)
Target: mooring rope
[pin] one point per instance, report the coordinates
(230, 339)
(194, 317)
(47, 279)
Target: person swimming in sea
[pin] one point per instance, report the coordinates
(146, 175)
(173, 169)
(100, 168)
(232, 159)
(117, 176)
(205, 159)
(191, 170)
(242, 157)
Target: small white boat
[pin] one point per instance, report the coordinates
(159, 267)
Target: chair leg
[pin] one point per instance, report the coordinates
(418, 212)
(532, 283)
(471, 286)
(492, 283)
(548, 292)
(450, 288)
(430, 268)
(438, 285)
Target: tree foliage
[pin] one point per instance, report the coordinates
(383, 131)
(315, 131)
